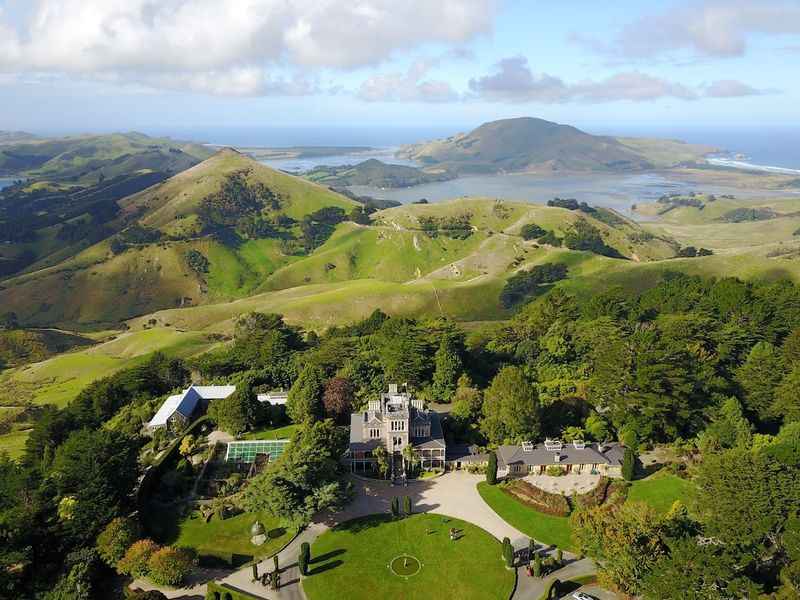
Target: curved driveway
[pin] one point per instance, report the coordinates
(452, 494)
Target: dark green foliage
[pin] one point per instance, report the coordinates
(537, 565)
(584, 236)
(304, 558)
(138, 234)
(237, 198)
(448, 369)
(401, 349)
(510, 408)
(551, 239)
(99, 469)
(628, 464)
(197, 261)
(238, 412)
(491, 469)
(305, 395)
(560, 556)
(532, 231)
(455, 226)
(525, 284)
(305, 479)
(317, 227)
(394, 506)
(407, 505)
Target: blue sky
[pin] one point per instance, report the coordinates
(99, 65)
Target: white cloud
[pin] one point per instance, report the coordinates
(195, 42)
(730, 88)
(512, 80)
(407, 87)
(713, 28)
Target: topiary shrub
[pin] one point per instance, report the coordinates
(491, 469)
(508, 553)
(628, 464)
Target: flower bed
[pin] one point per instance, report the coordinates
(545, 502)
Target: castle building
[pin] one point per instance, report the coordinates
(395, 421)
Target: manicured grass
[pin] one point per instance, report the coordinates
(277, 433)
(660, 491)
(219, 537)
(543, 528)
(352, 561)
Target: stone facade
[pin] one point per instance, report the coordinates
(395, 421)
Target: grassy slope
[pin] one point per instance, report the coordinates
(231, 535)
(96, 288)
(59, 379)
(352, 561)
(13, 443)
(660, 490)
(543, 528)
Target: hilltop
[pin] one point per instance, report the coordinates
(529, 144)
(375, 173)
(88, 158)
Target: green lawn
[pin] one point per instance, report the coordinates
(543, 528)
(660, 490)
(352, 561)
(231, 535)
(268, 433)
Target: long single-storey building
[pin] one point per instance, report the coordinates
(177, 411)
(604, 458)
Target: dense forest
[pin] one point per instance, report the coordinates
(709, 367)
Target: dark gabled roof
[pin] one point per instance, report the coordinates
(465, 453)
(568, 455)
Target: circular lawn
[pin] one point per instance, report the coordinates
(410, 559)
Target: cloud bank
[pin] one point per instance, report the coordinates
(512, 80)
(237, 46)
(714, 28)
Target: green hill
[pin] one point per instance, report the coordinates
(374, 173)
(91, 157)
(211, 233)
(21, 346)
(528, 144)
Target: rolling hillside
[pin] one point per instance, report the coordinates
(528, 144)
(87, 158)
(182, 244)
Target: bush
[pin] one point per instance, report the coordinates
(526, 283)
(555, 470)
(395, 506)
(407, 505)
(491, 469)
(135, 561)
(115, 539)
(170, 566)
(532, 231)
